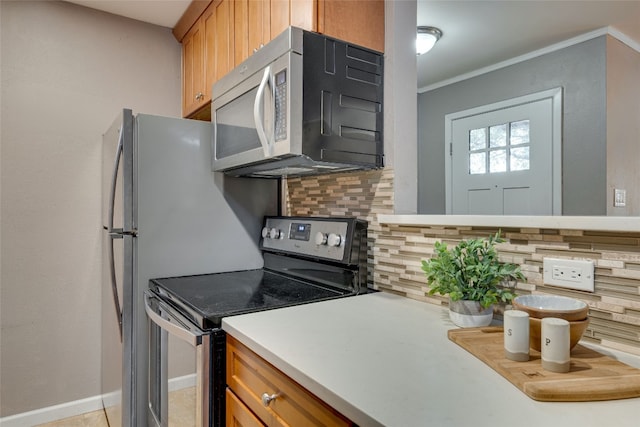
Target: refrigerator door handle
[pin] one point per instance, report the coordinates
(119, 233)
(114, 179)
(172, 321)
(114, 233)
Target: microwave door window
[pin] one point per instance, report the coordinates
(235, 128)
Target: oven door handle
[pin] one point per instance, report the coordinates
(175, 324)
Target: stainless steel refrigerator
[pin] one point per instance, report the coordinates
(165, 213)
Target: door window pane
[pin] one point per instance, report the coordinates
(498, 161)
(520, 132)
(507, 148)
(498, 136)
(477, 139)
(519, 159)
(477, 163)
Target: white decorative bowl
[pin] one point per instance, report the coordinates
(541, 306)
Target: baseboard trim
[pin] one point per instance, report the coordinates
(53, 413)
(79, 407)
(182, 382)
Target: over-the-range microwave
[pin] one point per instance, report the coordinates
(303, 104)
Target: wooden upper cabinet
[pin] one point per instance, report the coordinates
(298, 13)
(357, 21)
(251, 28)
(259, 21)
(207, 55)
(219, 35)
(193, 84)
(227, 32)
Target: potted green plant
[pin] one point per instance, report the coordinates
(472, 276)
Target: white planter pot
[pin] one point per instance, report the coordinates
(469, 314)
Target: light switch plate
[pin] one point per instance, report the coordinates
(569, 273)
(619, 197)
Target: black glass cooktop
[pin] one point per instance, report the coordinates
(207, 298)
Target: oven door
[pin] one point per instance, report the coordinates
(179, 392)
(254, 120)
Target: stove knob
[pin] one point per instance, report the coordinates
(334, 239)
(321, 238)
(265, 233)
(274, 233)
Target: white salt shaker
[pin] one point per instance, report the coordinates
(516, 335)
(556, 355)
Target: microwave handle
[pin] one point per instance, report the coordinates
(267, 147)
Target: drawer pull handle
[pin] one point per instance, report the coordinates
(266, 398)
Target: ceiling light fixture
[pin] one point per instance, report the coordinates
(427, 38)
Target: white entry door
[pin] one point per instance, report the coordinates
(504, 159)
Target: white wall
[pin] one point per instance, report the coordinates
(66, 71)
(400, 101)
(623, 128)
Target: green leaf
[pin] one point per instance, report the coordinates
(471, 270)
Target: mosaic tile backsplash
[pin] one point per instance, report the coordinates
(359, 194)
(395, 252)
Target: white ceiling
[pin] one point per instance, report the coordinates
(477, 33)
(480, 33)
(165, 13)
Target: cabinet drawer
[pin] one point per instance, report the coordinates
(238, 415)
(249, 377)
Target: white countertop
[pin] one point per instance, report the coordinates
(599, 223)
(385, 360)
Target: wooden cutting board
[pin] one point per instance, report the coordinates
(593, 375)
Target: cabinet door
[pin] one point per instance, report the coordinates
(238, 415)
(250, 377)
(218, 30)
(229, 30)
(192, 70)
(251, 27)
(298, 13)
(357, 21)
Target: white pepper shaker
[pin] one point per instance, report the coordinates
(555, 348)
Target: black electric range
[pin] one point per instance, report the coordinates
(305, 260)
(206, 299)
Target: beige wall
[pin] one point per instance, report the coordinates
(66, 71)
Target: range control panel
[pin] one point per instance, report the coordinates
(316, 237)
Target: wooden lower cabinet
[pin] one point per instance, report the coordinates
(249, 377)
(238, 415)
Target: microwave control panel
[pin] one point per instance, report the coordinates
(281, 105)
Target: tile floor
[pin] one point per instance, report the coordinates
(181, 413)
(91, 419)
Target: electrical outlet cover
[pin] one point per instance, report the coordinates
(569, 273)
